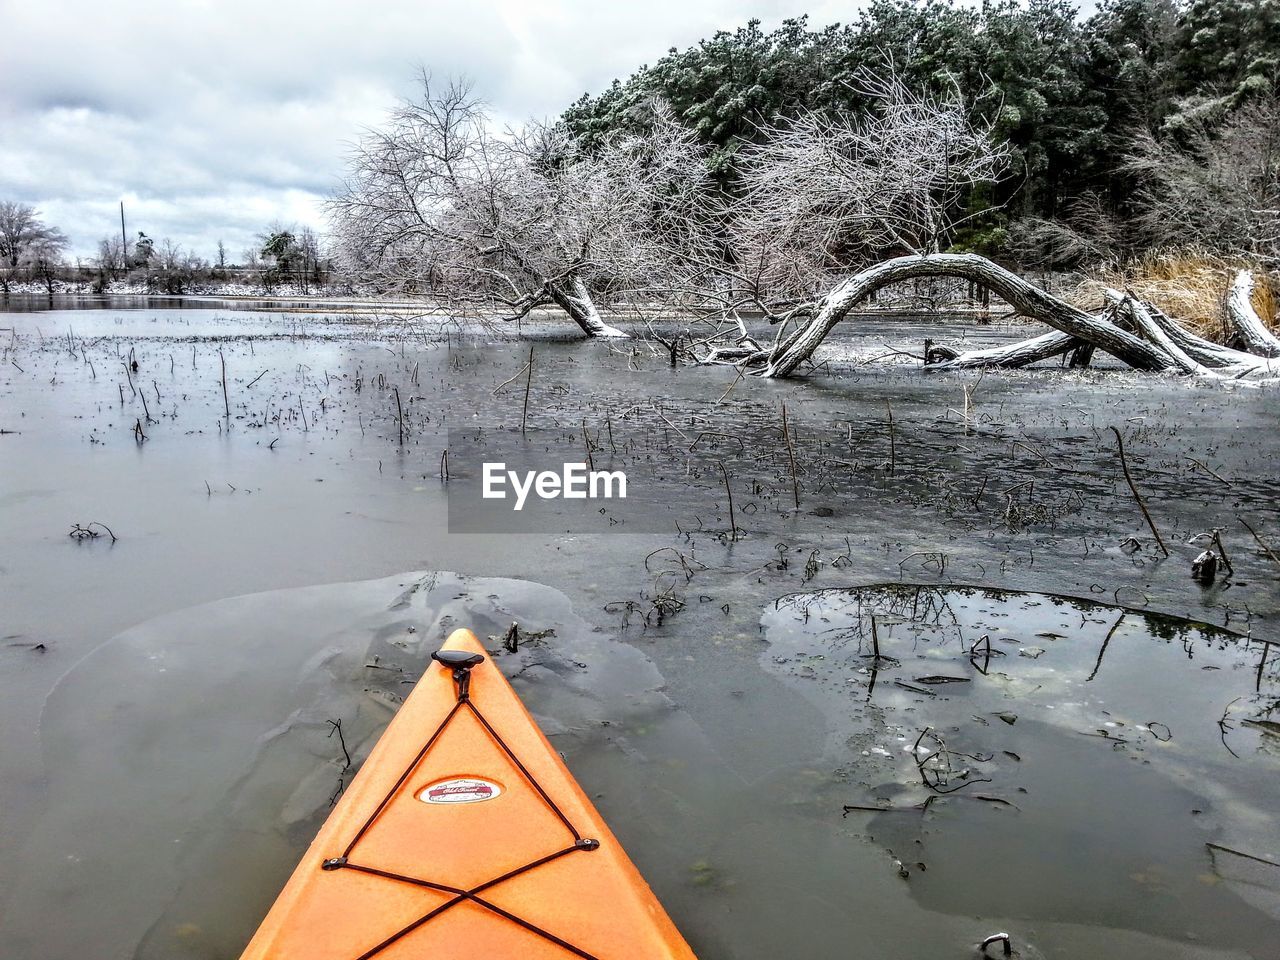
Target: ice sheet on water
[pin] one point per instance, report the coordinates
(191, 758)
(1083, 781)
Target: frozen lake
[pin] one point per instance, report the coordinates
(164, 697)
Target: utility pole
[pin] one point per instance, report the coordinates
(124, 242)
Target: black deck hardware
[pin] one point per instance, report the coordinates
(458, 659)
(461, 663)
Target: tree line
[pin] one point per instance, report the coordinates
(757, 169)
(1124, 128)
(32, 250)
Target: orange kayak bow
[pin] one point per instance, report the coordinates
(465, 836)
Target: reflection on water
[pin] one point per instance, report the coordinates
(1046, 757)
(43, 303)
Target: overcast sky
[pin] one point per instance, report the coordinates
(210, 120)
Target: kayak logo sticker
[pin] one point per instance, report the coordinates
(459, 790)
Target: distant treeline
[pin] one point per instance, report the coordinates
(32, 257)
(1109, 118)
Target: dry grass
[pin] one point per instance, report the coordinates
(1191, 286)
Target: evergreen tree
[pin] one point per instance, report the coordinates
(1070, 96)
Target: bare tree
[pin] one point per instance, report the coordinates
(1218, 188)
(1087, 235)
(308, 265)
(21, 229)
(252, 259)
(825, 193)
(44, 258)
(440, 205)
(173, 268)
(111, 255)
(26, 240)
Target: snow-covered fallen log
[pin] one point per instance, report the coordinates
(1248, 329)
(1014, 355)
(1198, 355)
(1133, 331)
(1141, 319)
(1026, 298)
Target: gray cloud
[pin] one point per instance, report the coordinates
(210, 120)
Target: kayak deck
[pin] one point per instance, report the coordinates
(464, 835)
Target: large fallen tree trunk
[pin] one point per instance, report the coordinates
(1027, 299)
(1249, 330)
(1140, 317)
(1215, 354)
(1206, 351)
(1212, 358)
(1134, 331)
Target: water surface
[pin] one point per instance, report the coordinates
(728, 780)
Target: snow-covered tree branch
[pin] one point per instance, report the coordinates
(824, 193)
(441, 205)
(1216, 187)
